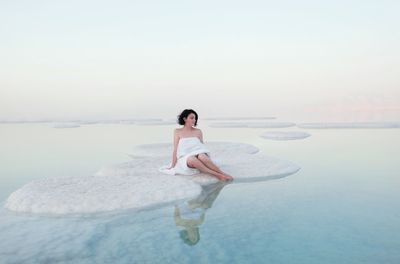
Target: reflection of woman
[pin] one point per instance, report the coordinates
(191, 214)
(190, 155)
(190, 234)
(207, 196)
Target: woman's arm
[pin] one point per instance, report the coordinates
(176, 140)
(201, 136)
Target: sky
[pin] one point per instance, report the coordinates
(120, 59)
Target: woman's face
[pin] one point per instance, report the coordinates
(191, 119)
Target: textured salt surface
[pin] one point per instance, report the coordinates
(155, 123)
(91, 194)
(131, 121)
(95, 121)
(239, 118)
(139, 184)
(217, 148)
(66, 125)
(88, 122)
(285, 135)
(125, 121)
(242, 161)
(253, 124)
(350, 125)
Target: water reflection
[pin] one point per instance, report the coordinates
(190, 215)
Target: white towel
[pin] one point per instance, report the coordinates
(189, 146)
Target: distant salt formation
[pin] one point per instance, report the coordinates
(142, 121)
(125, 121)
(130, 121)
(66, 125)
(156, 123)
(88, 122)
(350, 125)
(76, 123)
(239, 118)
(285, 135)
(253, 124)
(138, 183)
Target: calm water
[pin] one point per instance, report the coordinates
(341, 207)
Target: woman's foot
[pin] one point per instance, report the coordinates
(229, 178)
(221, 177)
(226, 177)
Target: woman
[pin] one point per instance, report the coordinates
(190, 155)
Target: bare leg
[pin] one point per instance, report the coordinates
(209, 164)
(196, 163)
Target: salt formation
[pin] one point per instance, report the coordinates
(66, 125)
(242, 161)
(238, 118)
(253, 124)
(285, 135)
(74, 195)
(139, 184)
(217, 148)
(156, 123)
(350, 125)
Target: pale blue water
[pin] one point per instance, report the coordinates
(341, 207)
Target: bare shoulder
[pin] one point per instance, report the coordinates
(198, 131)
(177, 131)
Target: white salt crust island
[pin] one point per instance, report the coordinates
(350, 125)
(239, 118)
(285, 135)
(66, 125)
(138, 183)
(155, 123)
(258, 124)
(132, 121)
(77, 195)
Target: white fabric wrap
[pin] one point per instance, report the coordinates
(187, 147)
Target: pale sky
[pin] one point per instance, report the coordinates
(104, 59)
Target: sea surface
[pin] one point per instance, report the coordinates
(343, 206)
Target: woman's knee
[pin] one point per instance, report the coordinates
(192, 161)
(203, 157)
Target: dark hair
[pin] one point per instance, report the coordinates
(184, 234)
(185, 113)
